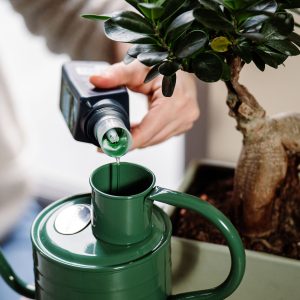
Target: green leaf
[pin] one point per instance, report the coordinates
(168, 68)
(133, 22)
(181, 23)
(254, 36)
(267, 59)
(220, 44)
(226, 74)
(258, 62)
(208, 67)
(190, 43)
(271, 58)
(128, 59)
(254, 21)
(230, 4)
(152, 58)
(212, 5)
(159, 2)
(270, 32)
(151, 10)
(171, 7)
(257, 13)
(168, 85)
(236, 4)
(290, 4)
(135, 50)
(120, 34)
(96, 17)
(153, 73)
(244, 51)
(284, 46)
(212, 20)
(133, 3)
(295, 38)
(284, 23)
(269, 6)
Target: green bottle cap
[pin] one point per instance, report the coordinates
(114, 138)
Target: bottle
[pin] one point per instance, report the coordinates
(96, 116)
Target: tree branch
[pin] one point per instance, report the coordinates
(242, 104)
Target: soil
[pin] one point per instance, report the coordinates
(215, 185)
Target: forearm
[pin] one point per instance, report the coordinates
(65, 31)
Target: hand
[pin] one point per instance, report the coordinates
(166, 117)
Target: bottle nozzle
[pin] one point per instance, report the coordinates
(113, 136)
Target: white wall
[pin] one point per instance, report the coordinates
(60, 164)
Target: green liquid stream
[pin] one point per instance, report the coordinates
(115, 177)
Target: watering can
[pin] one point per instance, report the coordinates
(114, 244)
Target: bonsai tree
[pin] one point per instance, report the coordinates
(214, 39)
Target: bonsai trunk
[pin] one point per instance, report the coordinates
(271, 146)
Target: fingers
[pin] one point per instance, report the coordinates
(168, 117)
(113, 76)
(162, 125)
(172, 129)
(131, 75)
(148, 128)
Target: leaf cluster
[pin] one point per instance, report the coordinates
(204, 36)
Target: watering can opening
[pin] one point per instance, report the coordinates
(122, 179)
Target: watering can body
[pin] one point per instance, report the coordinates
(78, 266)
(112, 245)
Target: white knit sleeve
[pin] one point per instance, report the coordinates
(65, 31)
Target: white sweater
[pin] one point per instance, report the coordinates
(65, 31)
(14, 183)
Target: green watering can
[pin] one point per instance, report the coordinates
(114, 244)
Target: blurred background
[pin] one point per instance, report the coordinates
(61, 166)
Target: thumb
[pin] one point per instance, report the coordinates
(115, 75)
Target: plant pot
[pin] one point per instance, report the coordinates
(199, 265)
(267, 276)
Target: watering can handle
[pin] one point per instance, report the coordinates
(13, 280)
(217, 218)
